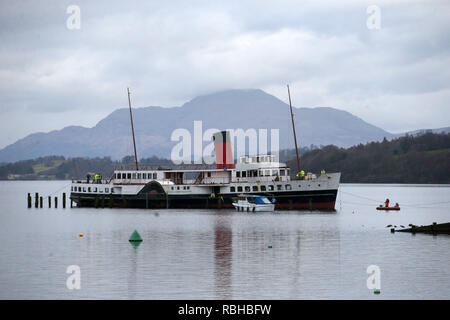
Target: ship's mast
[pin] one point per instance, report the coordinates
(132, 129)
(293, 128)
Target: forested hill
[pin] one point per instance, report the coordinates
(410, 159)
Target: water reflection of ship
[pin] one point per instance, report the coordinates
(223, 257)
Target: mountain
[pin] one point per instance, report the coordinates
(230, 109)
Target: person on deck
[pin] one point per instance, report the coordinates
(322, 171)
(88, 177)
(386, 203)
(301, 175)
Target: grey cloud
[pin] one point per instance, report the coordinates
(171, 51)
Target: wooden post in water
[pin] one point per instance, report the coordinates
(49, 201)
(41, 202)
(167, 201)
(36, 199)
(64, 200)
(29, 200)
(56, 202)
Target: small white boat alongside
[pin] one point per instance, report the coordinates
(253, 203)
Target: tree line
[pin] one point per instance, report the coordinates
(72, 168)
(423, 158)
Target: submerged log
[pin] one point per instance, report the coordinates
(441, 228)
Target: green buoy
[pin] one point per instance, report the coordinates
(270, 247)
(377, 291)
(135, 237)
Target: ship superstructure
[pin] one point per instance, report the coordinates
(211, 188)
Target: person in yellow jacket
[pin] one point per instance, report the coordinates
(97, 178)
(322, 171)
(301, 175)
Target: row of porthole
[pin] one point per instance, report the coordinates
(178, 188)
(134, 176)
(262, 188)
(83, 189)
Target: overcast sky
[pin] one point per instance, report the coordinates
(396, 77)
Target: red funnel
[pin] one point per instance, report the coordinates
(222, 148)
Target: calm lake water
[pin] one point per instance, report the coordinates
(223, 254)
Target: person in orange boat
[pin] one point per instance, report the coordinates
(386, 203)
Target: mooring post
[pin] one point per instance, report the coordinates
(167, 201)
(41, 202)
(56, 202)
(64, 200)
(36, 199)
(49, 201)
(29, 200)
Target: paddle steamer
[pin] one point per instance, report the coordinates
(213, 187)
(210, 188)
